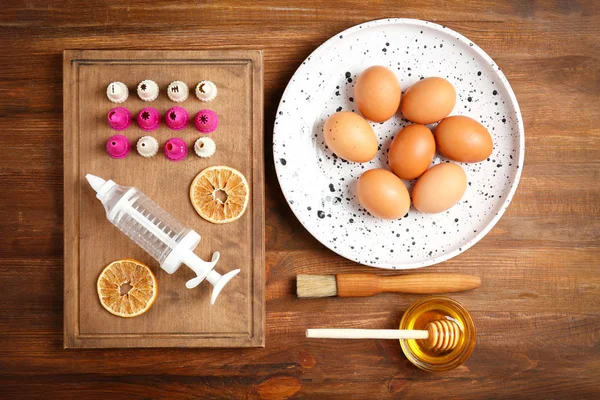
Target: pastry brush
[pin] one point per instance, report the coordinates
(363, 285)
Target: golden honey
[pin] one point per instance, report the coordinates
(432, 309)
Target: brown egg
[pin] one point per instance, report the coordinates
(383, 194)
(411, 151)
(440, 187)
(350, 136)
(377, 93)
(428, 100)
(463, 139)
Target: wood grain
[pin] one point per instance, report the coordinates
(237, 319)
(537, 311)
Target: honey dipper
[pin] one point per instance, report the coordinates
(441, 335)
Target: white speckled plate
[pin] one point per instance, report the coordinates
(320, 187)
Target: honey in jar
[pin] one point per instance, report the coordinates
(429, 310)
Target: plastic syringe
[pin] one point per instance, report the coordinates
(157, 232)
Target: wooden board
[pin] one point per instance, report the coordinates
(179, 317)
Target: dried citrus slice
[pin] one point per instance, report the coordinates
(120, 275)
(220, 194)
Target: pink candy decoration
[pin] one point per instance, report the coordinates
(177, 118)
(175, 149)
(206, 121)
(119, 118)
(118, 146)
(148, 119)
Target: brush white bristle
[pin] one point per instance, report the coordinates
(314, 286)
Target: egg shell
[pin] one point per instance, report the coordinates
(411, 151)
(350, 136)
(463, 139)
(377, 93)
(428, 100)
(439, 188)
(383, 194)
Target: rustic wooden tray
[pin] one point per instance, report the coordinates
(179, 317)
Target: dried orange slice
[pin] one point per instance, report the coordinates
(122, 274)
(220, 194)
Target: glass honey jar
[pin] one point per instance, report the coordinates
(428, 310)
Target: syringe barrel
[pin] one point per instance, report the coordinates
(124, 205)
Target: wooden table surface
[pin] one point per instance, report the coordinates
(537, 313)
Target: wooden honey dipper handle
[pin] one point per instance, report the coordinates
(366, 334)
(440, 335)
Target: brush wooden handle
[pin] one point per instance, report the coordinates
(362, 285)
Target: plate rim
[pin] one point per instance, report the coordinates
(503, 80)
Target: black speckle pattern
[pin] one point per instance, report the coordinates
(321, 187)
